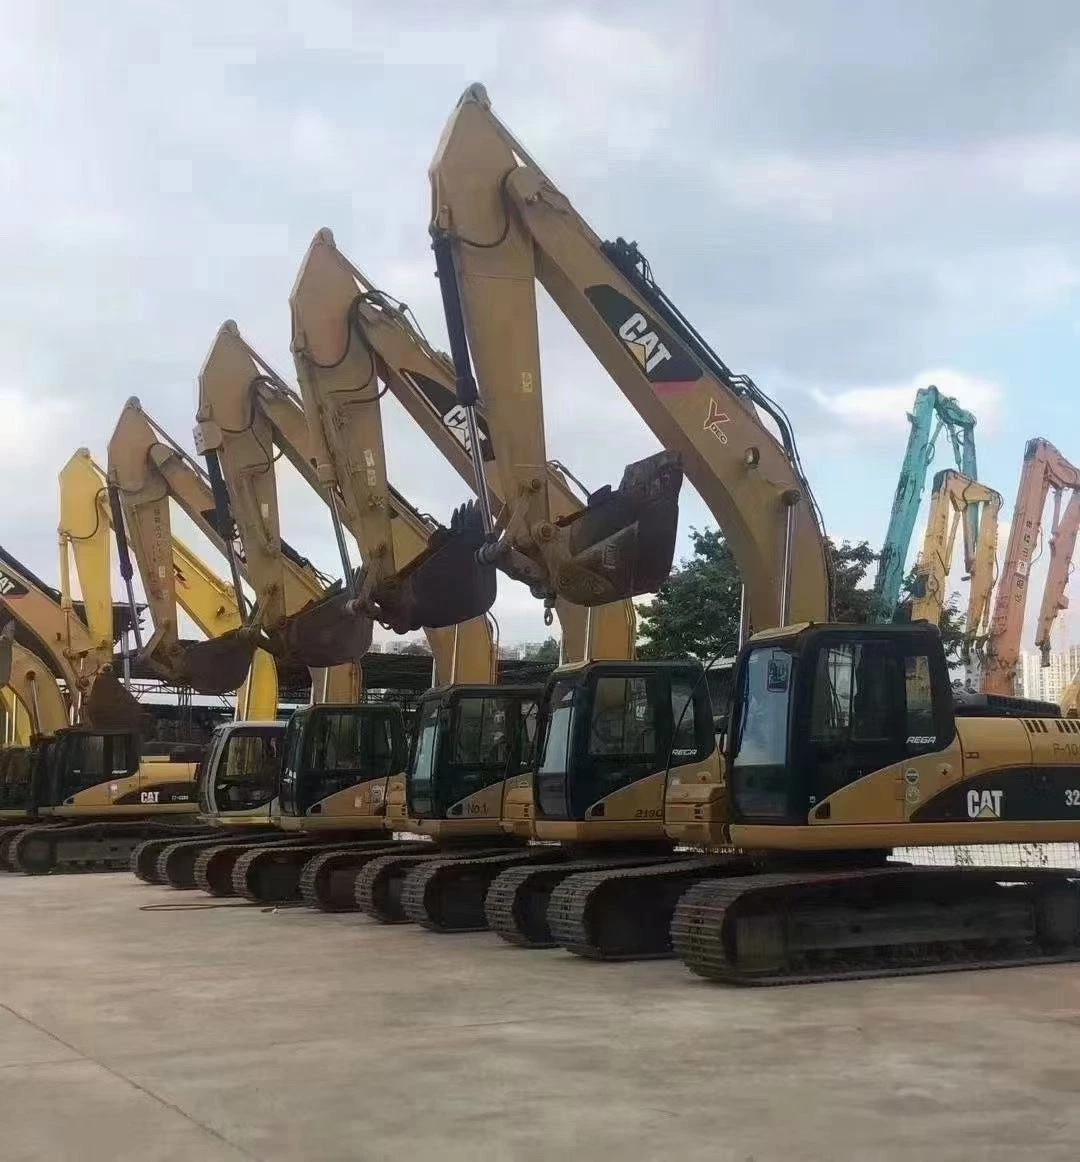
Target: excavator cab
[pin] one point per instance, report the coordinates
(83, 759)
(609, 732)
(337, 759)
(239, 773)
(820, 708)
(469, 740)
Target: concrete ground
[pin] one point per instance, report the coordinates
(232, 1033)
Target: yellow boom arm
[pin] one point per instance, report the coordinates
(379, 344)
(953, 494)
(499, 224)
(148, 469)
(241, 383)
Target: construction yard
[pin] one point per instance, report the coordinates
(141, 1023)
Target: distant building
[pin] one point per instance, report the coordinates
(1048, 682)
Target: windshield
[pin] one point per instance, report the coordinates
(290, 767)
(423, 758)
(245, 770)
(555, 747)
(760, 746)
(347, 747)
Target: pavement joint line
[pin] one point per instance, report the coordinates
(129, 1081)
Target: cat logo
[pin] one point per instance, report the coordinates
(661, 357)
(643, 343)
(985, 804)
(9, 587)
(443, 402)
(714, 421)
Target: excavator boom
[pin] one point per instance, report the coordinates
(930, 404)
(1044, 469)
(237, 380)
(149, 469)
(499, 223)
(387, 341)
(954, 495)
(445, 584)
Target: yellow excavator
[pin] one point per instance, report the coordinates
(352, 342)
(100, 795)
(952, 497)
(844, 741)
(38, 710)
(487, 265)
(147, 470)
(338, 757)
(212, 605)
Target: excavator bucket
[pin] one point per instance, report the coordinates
(324, 633)
(219, 665)
(7, 652)
(623, 543)
(110, 706)
(443, 585)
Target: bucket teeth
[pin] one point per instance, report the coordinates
(445, 584)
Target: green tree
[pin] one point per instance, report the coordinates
(545, 651)
(696, 611)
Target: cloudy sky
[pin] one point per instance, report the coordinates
(849, 200)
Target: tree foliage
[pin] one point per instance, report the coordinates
(696, 611)
(545, 651)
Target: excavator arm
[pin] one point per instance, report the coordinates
(339, 386)
(148, 469)
(99, 700)
(1044, 469)
(1062, 546)
(237, 382)
(499, 224)
(385, 346)
(216, 667)
(954, 495)
(930, 405)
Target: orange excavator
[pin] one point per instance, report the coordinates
(1044, 470)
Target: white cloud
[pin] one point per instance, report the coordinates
(881, 412)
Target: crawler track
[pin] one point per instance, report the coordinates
(878, 922)
(176, 862)
(447, 895)
(516, 904)
(272, 875)
(380, 884)
(625, 914)
(328, 881)
(102, 846)
(214, 865)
